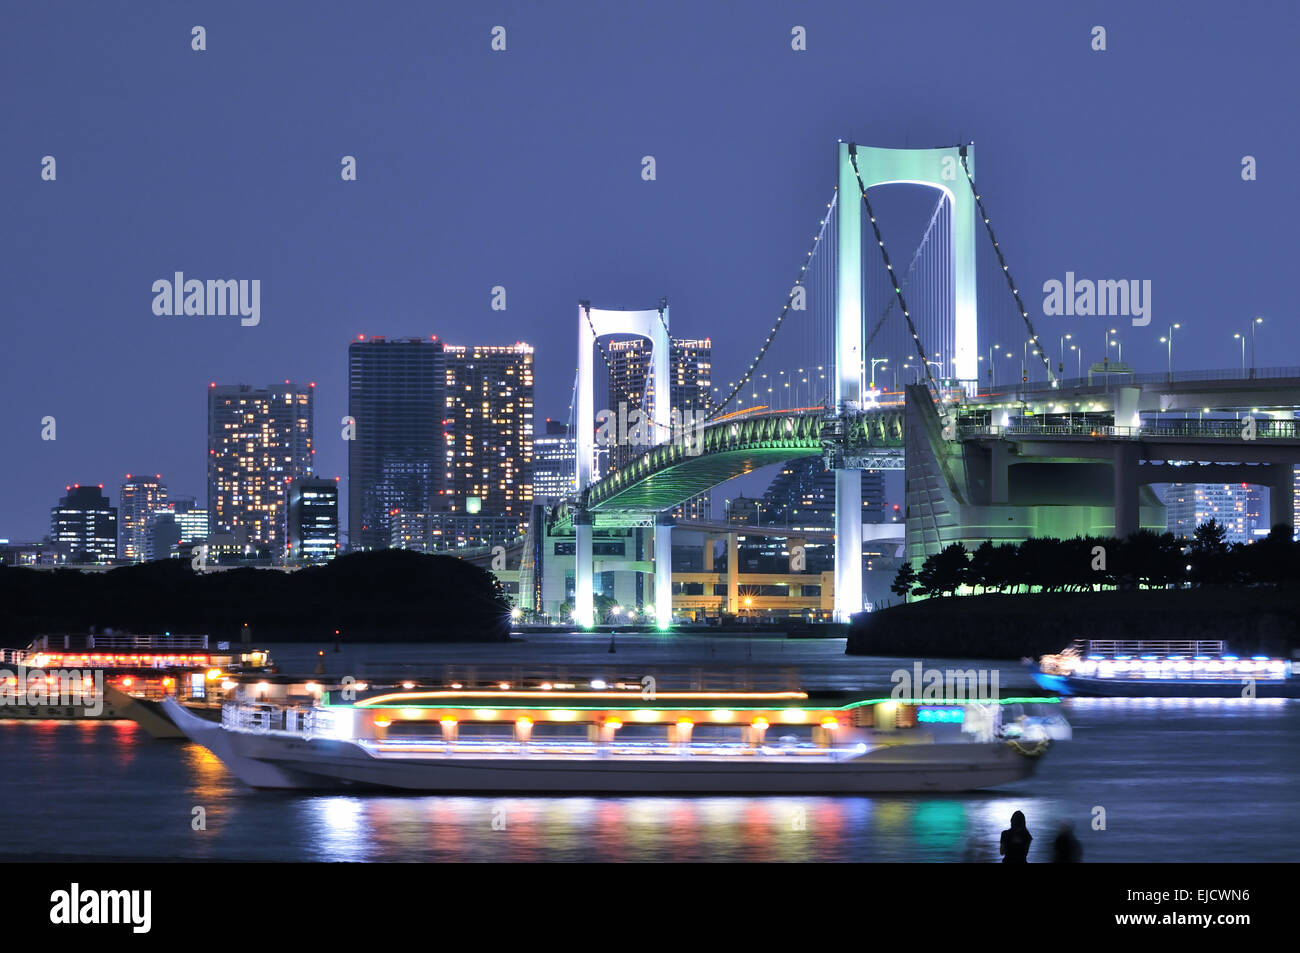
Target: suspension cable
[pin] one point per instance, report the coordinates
(911, 268)
(1006, 272)
(898, 292)
(762, 351)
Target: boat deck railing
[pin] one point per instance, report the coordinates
(1111, 648)
(667, 677)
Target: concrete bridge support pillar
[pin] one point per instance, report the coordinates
(708, 553)
(584, 594)
(664, 570)
(1281, 496)
(848, 543)
(733, 574)
(998, 472)
(1126, 489)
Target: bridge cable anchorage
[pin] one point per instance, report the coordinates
(911, 268)
(1006, 272)
(898, 292)
(762, 351)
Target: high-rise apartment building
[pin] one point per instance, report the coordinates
(86, 524)
(139, 497)
(258, 439)
(1238, 507)
(396, 455)
(802, 496)
(488, 453)
(690, 375)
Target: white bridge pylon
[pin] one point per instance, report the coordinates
(940, 169)
(652, 325)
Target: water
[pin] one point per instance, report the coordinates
(1178, 779)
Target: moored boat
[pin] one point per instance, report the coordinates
(612, 740)
(1163, 669)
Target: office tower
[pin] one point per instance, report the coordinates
(313, 521)
(140, 496)
(690, 372)
(489, 431)
(802, 495)
(86, 524)
(180, 522)
(555, 456)
(1238, 507)
(257, 439)
(395, 458)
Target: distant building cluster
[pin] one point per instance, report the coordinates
(1240, 508)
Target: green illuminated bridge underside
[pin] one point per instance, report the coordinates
(672, 473)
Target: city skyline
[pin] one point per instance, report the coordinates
(428, 229)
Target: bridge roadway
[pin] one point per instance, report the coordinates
(967, 443)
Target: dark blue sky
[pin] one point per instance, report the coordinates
(523, 169)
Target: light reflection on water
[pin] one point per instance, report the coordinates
(1178, 779)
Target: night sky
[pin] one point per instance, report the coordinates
(522, 169)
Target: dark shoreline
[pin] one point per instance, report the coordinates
(1000, 626)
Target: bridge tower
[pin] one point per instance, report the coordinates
(594, 323)
(940, 169)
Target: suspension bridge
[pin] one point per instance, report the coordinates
(993, 441)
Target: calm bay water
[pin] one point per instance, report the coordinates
(1179, 780)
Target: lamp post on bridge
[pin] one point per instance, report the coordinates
(872, 390)
(1061, 367)
(1169, 360)
(1252, 344)
(1078, 369)
(1242, 338)
(991, 352)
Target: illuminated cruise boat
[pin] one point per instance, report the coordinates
(1163, 669)
(597, 738)
(120, 677)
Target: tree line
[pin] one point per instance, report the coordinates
(1085, 563)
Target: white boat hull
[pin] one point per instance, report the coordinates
(282, 762)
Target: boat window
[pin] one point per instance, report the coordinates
(410, 730)
(486, 731)
(641, 734)
(718, 734)
(790, 735)
(559, 731)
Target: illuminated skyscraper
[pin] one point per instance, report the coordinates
(1235, 506)
(257, 439)
(139, 497)
(555, 457)
(488, 418)
(179, 523)
(86, 524)
(395, 458)
(313, 521)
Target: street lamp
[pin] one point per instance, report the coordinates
(1119, 347)
(1169, 359)
(1078, 370)
(1242, 338)
(1252, 344)
(874, 362)
(991, 350)
(1064, 338)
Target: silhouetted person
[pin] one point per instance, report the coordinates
(1015, 841)
(1066, 849)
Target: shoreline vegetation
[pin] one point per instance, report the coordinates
(385, 596)
(1146, 586)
